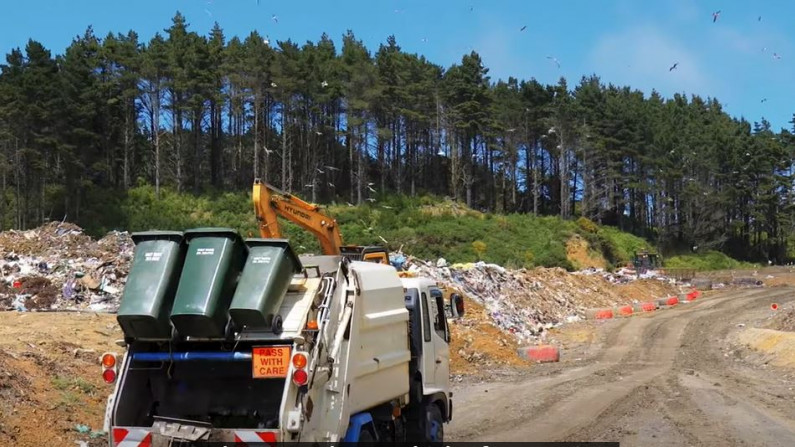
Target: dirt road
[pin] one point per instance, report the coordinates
(671, 378)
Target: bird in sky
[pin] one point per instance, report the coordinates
(555, 60)
(370, 188)
(523, 28)
(512, 129)
(331, 185)
(320, 171)
(267, 151)
(424, 40)
(370, 199)
(759, 19)
(266, 41)
(317, 132)
(776, 56)
(715, 16)
(274, 18)
(208, 13)
(308, 186)
(764, 100)
(673, 67)
(331, 168)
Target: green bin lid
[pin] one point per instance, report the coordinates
(156, 234)
(281, 243)
(212, 231)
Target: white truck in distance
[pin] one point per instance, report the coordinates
(351, 352)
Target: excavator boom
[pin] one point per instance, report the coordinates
(270, 202)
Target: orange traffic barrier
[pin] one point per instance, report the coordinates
(647, 307)
(540, 354)
(599, 314)
(625, 311)
(672, 301)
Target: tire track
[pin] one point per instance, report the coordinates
(638, 351)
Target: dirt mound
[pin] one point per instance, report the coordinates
(579, 253)
(477, 344)
(50, 377)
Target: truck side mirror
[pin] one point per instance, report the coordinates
(457, 305)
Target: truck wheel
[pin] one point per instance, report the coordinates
(429, 427)
(434, 427)
(366, 436)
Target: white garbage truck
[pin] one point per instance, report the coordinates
(243, 342)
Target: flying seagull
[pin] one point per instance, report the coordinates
(776, 56)
(274, 18)
(673, 67)
(208, 13)
(324, 84)
(331, 168)
(715, 16)
(764, 100)
(523, 28)
(557, 62)
(759, 19)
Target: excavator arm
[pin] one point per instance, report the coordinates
(270, 202)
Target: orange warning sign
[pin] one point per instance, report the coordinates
(269, 362)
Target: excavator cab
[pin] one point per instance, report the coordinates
(375, 254)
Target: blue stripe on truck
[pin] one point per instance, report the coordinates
(191, 356)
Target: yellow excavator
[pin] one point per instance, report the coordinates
(271, 203)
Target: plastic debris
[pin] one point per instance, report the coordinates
(82, 428)
(57, 267)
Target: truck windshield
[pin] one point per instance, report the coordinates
(221, 393)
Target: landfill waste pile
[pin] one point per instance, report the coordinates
(528, 302)
(58, 267)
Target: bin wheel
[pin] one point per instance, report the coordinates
(276, 325)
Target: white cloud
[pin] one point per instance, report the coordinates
(641, 57)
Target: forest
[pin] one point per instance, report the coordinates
(207, 114)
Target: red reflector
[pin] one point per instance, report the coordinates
(119, 434)
(147, 442)
(267, 436)
(109, 375)
(300, 377)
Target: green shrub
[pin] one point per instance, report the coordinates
(711, 260)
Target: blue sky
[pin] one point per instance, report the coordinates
(624, 42)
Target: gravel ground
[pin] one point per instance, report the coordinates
(672, 378)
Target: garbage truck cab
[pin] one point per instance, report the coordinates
(244, 342)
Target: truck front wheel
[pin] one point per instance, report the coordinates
(429, 427)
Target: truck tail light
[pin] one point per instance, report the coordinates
(109, 376)
(108, 361)
(300, 377)
(299, 360)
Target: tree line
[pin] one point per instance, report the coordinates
(207, 113)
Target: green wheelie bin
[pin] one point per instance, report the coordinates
(151, 285)
(213, 262)
(266, 276)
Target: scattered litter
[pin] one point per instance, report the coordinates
(82, 428)
(740, 325)
(57, 267)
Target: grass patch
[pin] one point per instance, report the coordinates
(711, 260)
(70, 384)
